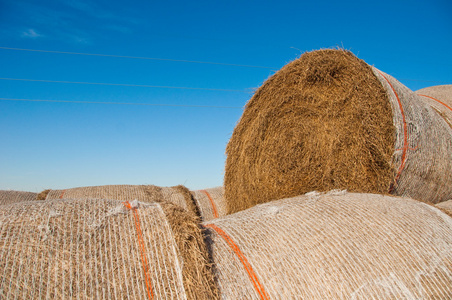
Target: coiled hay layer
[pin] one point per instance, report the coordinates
(9, 197)
(330, 121)
(334, 246)
(104, 249)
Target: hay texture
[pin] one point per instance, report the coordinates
(9, 197)
(210, 202)
(336, 245)
(178, 195)
(104, 249)
(330, 121)
(440, 99)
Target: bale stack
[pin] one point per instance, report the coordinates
(104, 249)
(9, 197)
(330, 121)
(336, 245)
(178, 195)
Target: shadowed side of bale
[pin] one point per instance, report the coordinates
(84, 249)
(9, 197)
(321, 122)
(334, 246)
(197, 272)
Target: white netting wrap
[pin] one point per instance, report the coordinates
(211, 203)
(145, 193)
(9, 197)
(423, 146)
(334, 246)
(85, 249)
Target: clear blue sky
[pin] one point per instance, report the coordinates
(63, 145)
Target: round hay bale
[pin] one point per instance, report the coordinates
(211, 203)
(9, 196)
(104, 249)
(330, 121)
(334, 246)
(440, 98)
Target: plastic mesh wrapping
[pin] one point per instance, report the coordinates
(145, 193)
(211, 203)
(423, 146)
(334, 246)
(9, 197)
(84, 249)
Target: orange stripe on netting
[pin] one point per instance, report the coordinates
(214, 208)
(144, 259)
(405, 136)
(436, 101)
(62, 194)
(249, 269)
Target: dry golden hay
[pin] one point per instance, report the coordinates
(334, 245)
(9, 196)
(42, 195)
(104, 249)
(330, 121)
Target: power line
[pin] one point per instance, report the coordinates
(422, 80)
(126, 84)
(138, 57)
(119, 103)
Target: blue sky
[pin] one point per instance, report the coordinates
(67, 144)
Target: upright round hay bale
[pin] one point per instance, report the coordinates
(330, 121)
(104, 249)
(334, 246)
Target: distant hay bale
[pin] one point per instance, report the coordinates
(178, 195)
(210, 202)
(330, 121)
(9, 197)
(440, 98)
(446, 207)
(334, 246)
(104, 249)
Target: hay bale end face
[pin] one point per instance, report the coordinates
(330, 121)
(322, 122)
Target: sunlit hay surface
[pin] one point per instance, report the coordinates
(322, 122)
